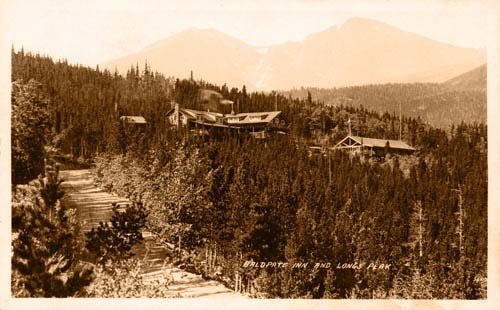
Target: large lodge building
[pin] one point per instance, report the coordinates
(258, 124)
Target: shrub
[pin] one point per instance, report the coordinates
(115, 239)
(124, 279)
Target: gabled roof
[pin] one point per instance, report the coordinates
(133, 119)
(381, 143)
(252, 117)
(232, 119)
(207, 116)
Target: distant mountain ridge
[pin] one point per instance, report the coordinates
(461, 98)
(473, 79)
(360, 52)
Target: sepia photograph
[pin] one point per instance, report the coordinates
(239, 150)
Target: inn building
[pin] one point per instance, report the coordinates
(258, 124)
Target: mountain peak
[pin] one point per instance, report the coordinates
(365, 23)
(193, 36)
(361, 20)
(361, 51)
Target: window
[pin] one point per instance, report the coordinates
(259, 134)
(257, 117)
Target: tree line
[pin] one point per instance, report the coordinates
(440, 104)
(85, 106)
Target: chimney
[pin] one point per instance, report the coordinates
(238, 105)
(276, 102)
(232, 108)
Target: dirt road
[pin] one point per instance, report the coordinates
(94, 205)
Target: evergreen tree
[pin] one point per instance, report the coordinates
(30, 130)
(45, 250)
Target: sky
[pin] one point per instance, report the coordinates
(95, 31)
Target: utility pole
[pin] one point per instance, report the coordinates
(400, 120)
(461, 217)
(420, 228)
(329, 164)
(275, 101)
(179, 232)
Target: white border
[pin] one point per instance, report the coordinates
(493, 15)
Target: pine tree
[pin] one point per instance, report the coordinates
(114, 240)
(45, 249)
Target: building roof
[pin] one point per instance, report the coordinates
(381, 143)
(232, 119)
(133, 119)
(208, 116)
(251, 118)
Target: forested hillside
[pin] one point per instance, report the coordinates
(441, 105)
(474, 79)
(250, 201)
(86, 103)
(239, 200)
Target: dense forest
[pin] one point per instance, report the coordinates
(439, 104)
(86, 104)
(241, 201)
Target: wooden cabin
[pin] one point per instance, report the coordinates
(378, 147)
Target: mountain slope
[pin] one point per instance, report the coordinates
(361, 51)
(439, 104)
(212, 55)
(473, 79)
(366, 52)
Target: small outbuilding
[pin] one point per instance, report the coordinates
(136, 120)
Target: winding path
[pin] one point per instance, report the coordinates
(93, 205)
